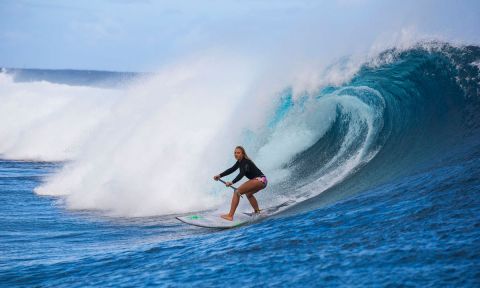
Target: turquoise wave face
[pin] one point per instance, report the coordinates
(419, 107)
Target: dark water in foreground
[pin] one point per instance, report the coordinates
(421, 230)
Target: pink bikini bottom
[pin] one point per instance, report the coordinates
(264, 180)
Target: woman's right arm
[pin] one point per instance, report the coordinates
(229, 170)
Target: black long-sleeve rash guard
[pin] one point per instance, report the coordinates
(247, 168)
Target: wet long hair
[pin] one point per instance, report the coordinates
(243, 151)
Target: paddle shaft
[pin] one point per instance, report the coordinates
(234, 188)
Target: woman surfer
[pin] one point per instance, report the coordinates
(257, 181)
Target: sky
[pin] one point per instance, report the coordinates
(142, 35)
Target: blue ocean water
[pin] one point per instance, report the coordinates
(408, 217)
(74, 77)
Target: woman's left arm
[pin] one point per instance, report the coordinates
(240, 175)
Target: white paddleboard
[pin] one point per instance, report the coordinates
(213, 220)
(210, 220)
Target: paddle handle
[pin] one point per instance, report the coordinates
(234, 188)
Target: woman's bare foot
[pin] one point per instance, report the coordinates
(227, 217)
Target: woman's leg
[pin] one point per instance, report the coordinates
(253, 202)
(250, 187)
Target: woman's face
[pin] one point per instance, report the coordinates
(238, 154)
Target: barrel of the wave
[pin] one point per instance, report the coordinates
(414, 106)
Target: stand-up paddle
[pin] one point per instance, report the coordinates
(233, 187)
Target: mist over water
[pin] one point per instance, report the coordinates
(155, 152)
(48, 122)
